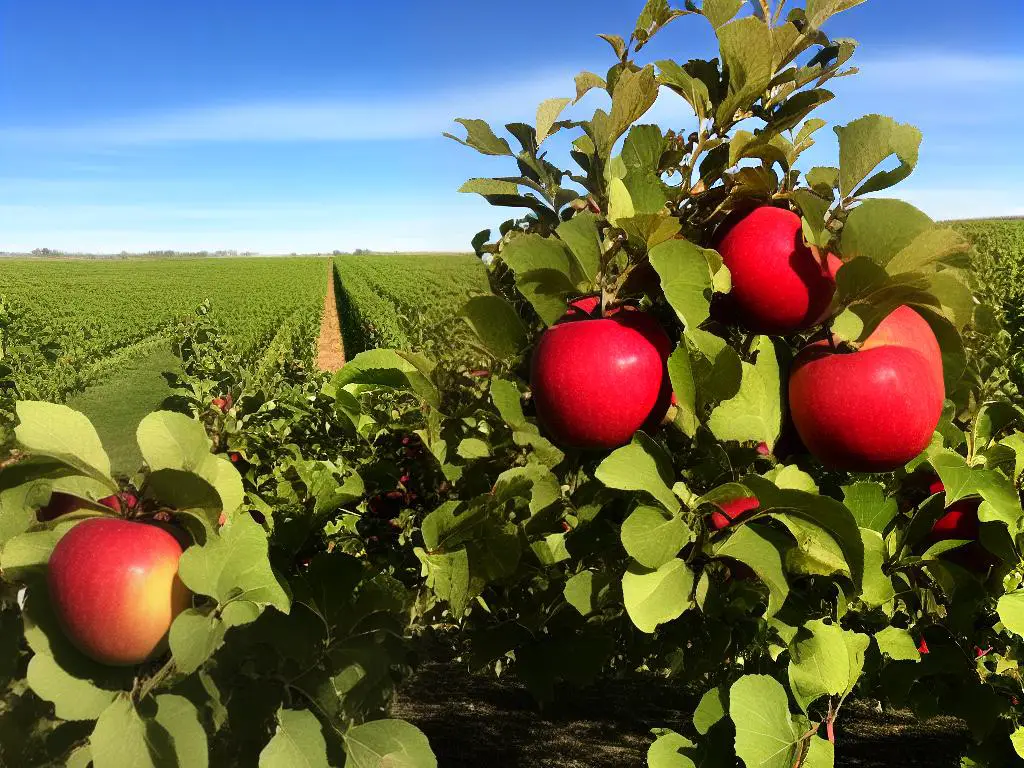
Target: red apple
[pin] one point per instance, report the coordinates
(596, 381)
(874, 409)
(61, 503)
(114, 586)
(729, 512)
(922, 647)
(960, 522)
(779, 286)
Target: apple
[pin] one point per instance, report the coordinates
(729, 512)
(115, 589)
(596, 381)
(873, 409)
(960, 522)
(61, 503)
(779, 285)
(922, 647)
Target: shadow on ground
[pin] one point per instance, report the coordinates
(480, 722)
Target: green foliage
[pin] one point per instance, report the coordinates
(70, 322)
(405, 301)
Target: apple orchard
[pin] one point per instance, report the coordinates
(726, 419)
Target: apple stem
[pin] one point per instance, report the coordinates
(156, 679)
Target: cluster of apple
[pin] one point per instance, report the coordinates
(598, 377)
(113, 582)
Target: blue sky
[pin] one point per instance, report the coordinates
(280, 127)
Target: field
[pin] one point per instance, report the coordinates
(404, 301)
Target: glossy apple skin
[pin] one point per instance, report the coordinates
(778, 285)
(115, 589)
(871, 410)
(960, 522)
(729, 512)
(595, 382)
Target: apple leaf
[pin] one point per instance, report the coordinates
(1011, 611)
(876, 587)
(123, 738)
(180, 718)
(234, 565)
(879, 229)
(865, 143)
(639, 466)
(634, 93)
(171, 440)
(897, 644)
(584, 591)
(29, 552)
(74, 698)
(754, 546)
(754, 414)
(195, 636)
(547, 114)
(670, 750)
(869, 505)
(388, 368)
(655, 596)
(497, 325)
(766, 734)
(711, 709)
(680, 373)
(652, 538)
(748, 59)
(582, 236)
(58, 432)
(825, 660)
(388, 742)
(686, 276)
(298, 741)
(448, 575)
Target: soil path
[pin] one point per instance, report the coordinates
(477, 721)
(330, 348)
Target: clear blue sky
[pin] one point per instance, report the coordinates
(279, 127)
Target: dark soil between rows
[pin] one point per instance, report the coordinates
(477, 721)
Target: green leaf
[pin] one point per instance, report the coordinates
(865, 143)
(497, 325)
(194, 637)
(391, 369)
(720, 12)
(879, 229)
(490, 187)
(819, 11)
(897, 644)
(639, 466)
(234, 565)
(583, 238)
(692, 89)
(473, 448)
(392, 743)
(928, 248)
(73, 698)
(298, 742)
(584, 591)
(754, 546)
(713, 706)
(29, 552)
(633, 95)
(755, 413)
(869, 505)
(670, 750)
(171, 440)
(825, 660)
(876, 588)
(766, 735)
(586, 81)
(717, 368)
(507, 399)
(480, 137)
(122, 738)
(448, 575)
(653, 538)
(547, 114)
(820, 753)
(748, 59)
(680, 374)
(653, 597)
(1011, 611)
(180, 718)
(686, 276)
(56, 431)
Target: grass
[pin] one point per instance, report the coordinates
(117, 405)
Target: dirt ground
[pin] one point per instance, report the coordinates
(480, 722)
